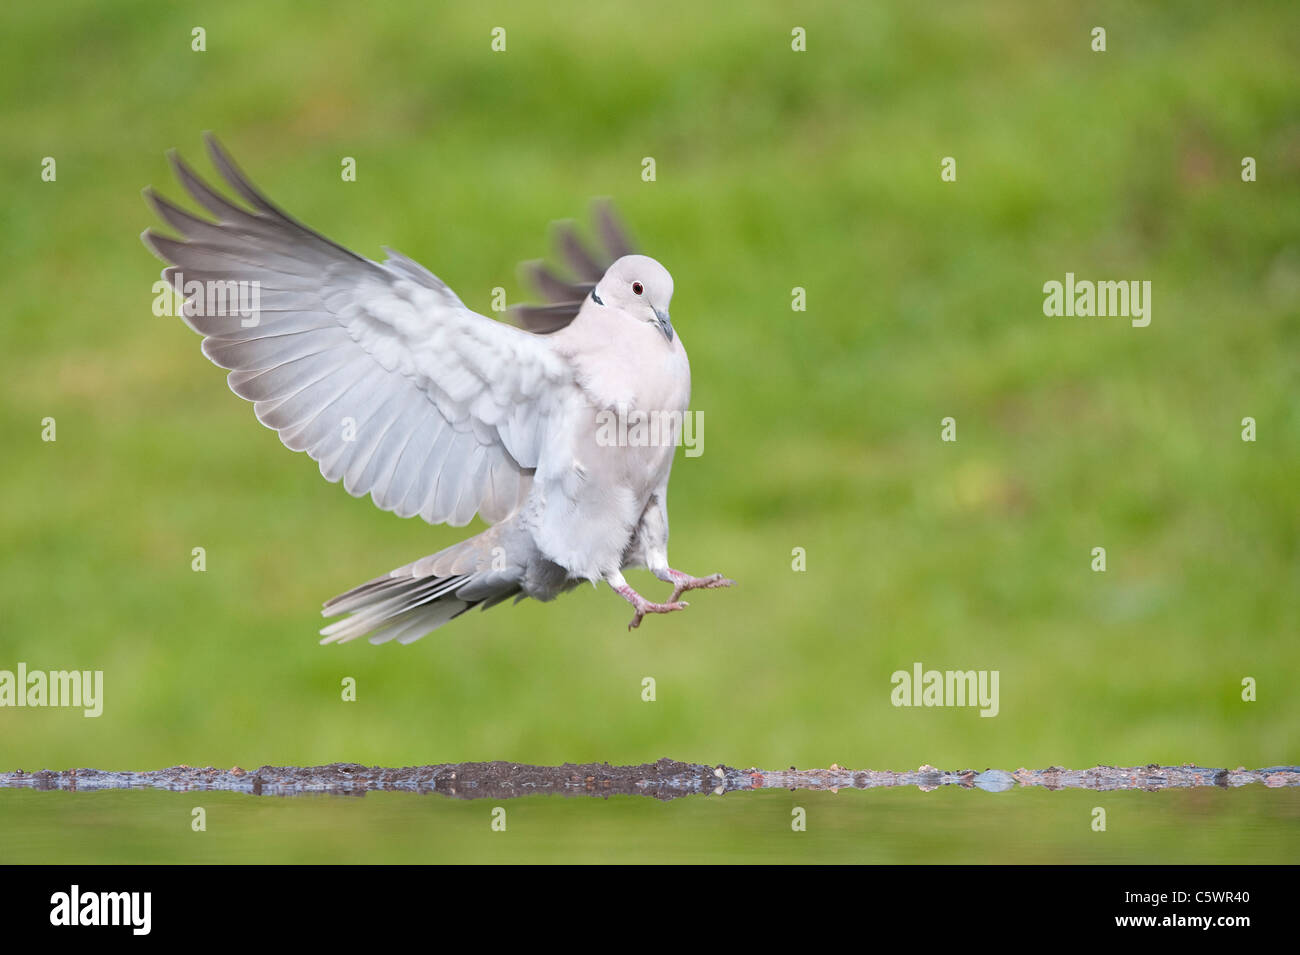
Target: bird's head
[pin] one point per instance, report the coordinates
(640, 287)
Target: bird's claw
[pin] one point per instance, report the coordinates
(646, 607)
(686, 583)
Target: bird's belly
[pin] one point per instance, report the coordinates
(589, 504)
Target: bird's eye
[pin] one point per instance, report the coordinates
(637, 288)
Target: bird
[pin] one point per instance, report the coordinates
(384, 377)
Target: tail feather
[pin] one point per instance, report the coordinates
(411, 626)
(350, 600)
(410, 602)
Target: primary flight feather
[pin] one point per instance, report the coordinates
(382, 375)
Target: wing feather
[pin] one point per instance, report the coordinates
(378, 371)
(565, 298)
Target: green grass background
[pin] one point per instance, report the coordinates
(776, 169)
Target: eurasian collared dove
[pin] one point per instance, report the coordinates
(382, 375)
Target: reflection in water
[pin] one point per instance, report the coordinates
(666, 779)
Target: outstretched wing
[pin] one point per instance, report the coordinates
(565, 297)
(377, 370)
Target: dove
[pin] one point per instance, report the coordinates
(383, 376)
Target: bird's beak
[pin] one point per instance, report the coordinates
(665, 324)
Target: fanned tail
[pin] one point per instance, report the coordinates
(412, 601)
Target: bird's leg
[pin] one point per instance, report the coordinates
(683, 582)
(639, 603)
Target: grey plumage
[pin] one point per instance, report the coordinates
(380, 373)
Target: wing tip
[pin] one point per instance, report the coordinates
(150, 238)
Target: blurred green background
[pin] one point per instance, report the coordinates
(775, 169)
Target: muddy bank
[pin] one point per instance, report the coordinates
(666, 779)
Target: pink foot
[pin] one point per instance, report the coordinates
(643, 606)
(684, 582)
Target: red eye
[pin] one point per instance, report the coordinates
(637, 288)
